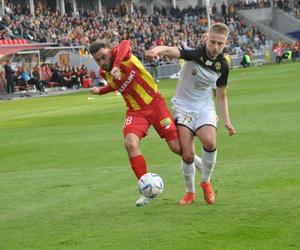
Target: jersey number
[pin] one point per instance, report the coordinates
(128, 120)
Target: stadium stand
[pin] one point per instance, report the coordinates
(12, 41)
(167, 25)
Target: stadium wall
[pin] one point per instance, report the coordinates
(284, 23)
(186, 3)
(262, 18)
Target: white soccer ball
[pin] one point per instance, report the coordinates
(150, 185)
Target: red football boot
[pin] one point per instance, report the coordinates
(209, 195)
(187, 199)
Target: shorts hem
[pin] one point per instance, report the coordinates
(137, 132)
(179, 124)
(205, 125)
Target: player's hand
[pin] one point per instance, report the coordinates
(151, 55)
(230, 128)
(116, 73)
(95, 90)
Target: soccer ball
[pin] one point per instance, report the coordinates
(150, 185)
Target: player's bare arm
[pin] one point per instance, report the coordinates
(158, 51)
(221, 94)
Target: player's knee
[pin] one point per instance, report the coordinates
(176, 149)
(188, 156)
(130, 144)
(210, 145)
(175, 146)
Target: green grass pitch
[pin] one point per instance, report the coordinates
(65, 180)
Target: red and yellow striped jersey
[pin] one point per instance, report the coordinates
(136, 85)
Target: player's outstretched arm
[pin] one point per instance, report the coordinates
(221, 94)
(158, 51)
(101, 90)
(122, 51)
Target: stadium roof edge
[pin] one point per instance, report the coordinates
(65, 47)
(8, 49)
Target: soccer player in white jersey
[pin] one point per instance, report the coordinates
(194, 108)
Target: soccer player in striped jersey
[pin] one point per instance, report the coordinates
(194, 108)
(145, 106)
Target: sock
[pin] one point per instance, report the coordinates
(198, 163)
(188, 171)
(138, 165)
(208, 163)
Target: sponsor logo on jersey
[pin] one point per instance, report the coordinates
(208, 63)
(127, 82)
(166, 122)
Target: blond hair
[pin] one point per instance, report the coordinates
(220, 28)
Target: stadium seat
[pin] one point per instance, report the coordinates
(52, 84)
(93, 74)
(87, 83)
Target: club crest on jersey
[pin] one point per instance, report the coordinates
(208, 63)
(166, 123)
(194, 72)
(218, 65)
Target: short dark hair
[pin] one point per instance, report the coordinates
(97, 45)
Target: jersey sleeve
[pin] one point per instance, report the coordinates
(190, 55)
(122, 51)
(106, 89)
(222, 81)
(102, 73)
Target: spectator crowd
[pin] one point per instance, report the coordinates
(168, 26)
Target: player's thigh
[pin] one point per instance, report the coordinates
(173, 142)
(135, 123)
(186, 138)
(131, 143)
(207, 134)
(206, 124)
(162, 120)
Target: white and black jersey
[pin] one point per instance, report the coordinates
(198, 75)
